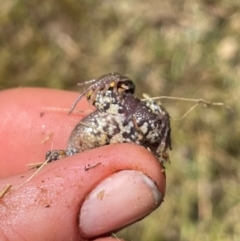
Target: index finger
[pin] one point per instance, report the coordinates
(29, 127)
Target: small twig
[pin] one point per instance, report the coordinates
(188, 112)
(40, 165)
(47, 138)
(88, 167)
(34, 174)
(115, 236)
(198, 101)
(65, 110)
(5, 190)
(34, 165)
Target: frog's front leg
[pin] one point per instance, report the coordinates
(58, 154)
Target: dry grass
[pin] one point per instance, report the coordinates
(178, 48)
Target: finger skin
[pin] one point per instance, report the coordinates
(47, 207)
(26, 125)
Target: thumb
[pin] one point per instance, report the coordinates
(87, 195)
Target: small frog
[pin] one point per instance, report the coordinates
(119, 118)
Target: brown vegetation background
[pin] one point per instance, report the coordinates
(184, 48)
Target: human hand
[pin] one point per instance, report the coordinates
(64, 201)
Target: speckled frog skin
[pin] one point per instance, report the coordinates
(119, 118)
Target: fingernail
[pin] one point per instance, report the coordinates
(119, 200)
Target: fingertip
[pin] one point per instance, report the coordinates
(28, 129)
